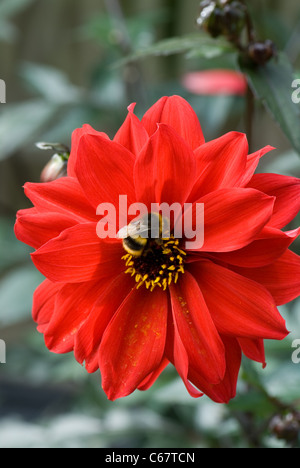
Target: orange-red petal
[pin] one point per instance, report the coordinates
(221, 163)
(165, 169)
(178, 114)
(232, 218)
(133, 344)
(105, 171)
(239, 306)
(77, 255)
(196, 329)
(287, 192)
(110, 296)
(76, 136)
(37, 229)
(61, 196)
(281, 278)
(224, 391)
(270, 244)
(132, 134)
(44, 303)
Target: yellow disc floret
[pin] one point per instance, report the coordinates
(160, 265)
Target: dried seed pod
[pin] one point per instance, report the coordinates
(222, 17)
(261, 52)
(286, 427)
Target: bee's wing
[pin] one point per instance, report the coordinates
(135, 229)
(123, 233)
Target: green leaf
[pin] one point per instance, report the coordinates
(287, 163)
(16, 290)
(8, 31)
(50, 83)
(9, 8)
(20, 123)
(12, 252)
(272, 84)
(192, 45)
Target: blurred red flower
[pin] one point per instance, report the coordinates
(198, 309)
(215, 82)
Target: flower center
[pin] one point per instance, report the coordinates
(160, 264)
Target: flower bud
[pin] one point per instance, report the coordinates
(261, 52)
(57, 166)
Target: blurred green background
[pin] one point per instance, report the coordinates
(60, 61)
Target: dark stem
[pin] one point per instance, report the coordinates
(250, 100)
(250, 28)
(116, 13)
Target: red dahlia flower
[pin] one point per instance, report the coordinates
(199, 309)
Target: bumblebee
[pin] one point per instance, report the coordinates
(137, 236)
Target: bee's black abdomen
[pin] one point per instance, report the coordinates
(134, 246)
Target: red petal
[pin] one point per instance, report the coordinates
(37, 229)
(177, 354)
(110, 296)
(132, 134)
(287, 193)
(61, 196)
(105, 171)
(91, 363)
(270, 245)
(178, 114)
(133, 343)
(76, 136)
(169, 166)
(201, 341)
(239, 307)
(253, 349)
(26, 211)
(73, 305)
(281, 278)
(225, 390)
(78, 255)
(220, 164)
(44, 302)
(252, 163)
(151, 378)
(233, 218)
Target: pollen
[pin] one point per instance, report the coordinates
(160, 265)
